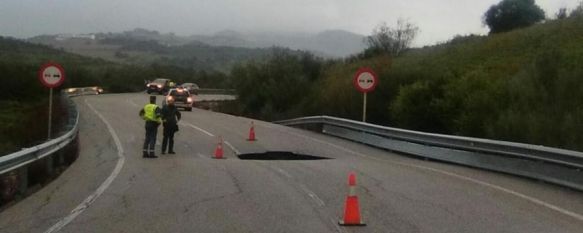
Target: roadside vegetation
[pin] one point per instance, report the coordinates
(24, 102)
(523, 84)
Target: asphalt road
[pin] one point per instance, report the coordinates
(111, 188)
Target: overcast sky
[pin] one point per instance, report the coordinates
(439, 20)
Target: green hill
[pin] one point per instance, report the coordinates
(192, 55)
(23, 101)
(525, 85)
(143, 48)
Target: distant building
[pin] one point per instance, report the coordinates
(75, 36)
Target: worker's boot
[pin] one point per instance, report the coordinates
(152, 155)
(145, 154)
(164, 142)
(171, 147)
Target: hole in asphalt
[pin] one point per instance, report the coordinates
(278, 155)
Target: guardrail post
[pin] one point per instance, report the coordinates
(18, 178)
(49, 165)
(22, 175)
(60, 158)
(548, 165)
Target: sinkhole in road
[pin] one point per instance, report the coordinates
(279, 155)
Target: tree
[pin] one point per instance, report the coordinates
(511, 14)
(562, 13)
(577, 11)
(392, 41)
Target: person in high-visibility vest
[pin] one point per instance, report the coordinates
(152, 114)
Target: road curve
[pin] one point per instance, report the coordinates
(111, 188)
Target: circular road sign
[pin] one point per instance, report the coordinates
(51, 75)
(365, 80)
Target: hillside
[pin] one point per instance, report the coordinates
(219, 52)
(142, 47)
(330, 43)
(525, 85)
(23, 100)
(20, 60)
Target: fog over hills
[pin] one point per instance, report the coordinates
(330, 43)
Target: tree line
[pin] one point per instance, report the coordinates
(24, 102)
(521, 84)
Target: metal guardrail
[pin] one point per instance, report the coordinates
(557, 166)
(29, 155)
(217, 91)
(17, 164)
(18, 159)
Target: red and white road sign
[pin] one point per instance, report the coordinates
(51, 75)
(365, 80)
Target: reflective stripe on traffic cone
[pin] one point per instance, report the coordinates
(351, 207)
(252, 132)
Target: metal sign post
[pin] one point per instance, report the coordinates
(51, 75)
(50, 112)
(365, 80)
(364, 109)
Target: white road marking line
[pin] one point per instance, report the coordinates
(312, 195)
(493, 186)
(232, 148)
(335, 223)
(202, 156)
(309, 192)
(132, 102)
(283, 172)
(472, 180)
(303, 187)
(199, 129)
(212, 135)
(89, 200)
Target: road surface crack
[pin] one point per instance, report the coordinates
(125, 202)
(48, 198)
(235, 182)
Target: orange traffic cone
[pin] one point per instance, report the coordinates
(351, 208)
(219, 149)
(252, 132)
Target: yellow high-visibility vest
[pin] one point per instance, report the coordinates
(150, 113)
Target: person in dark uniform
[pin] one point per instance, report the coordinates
(152, 114)
(170, 117)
